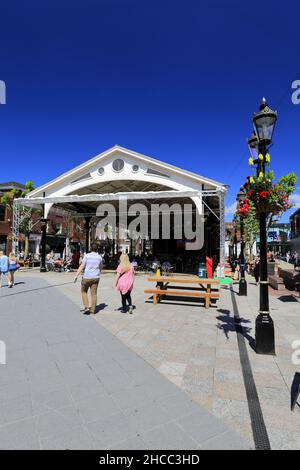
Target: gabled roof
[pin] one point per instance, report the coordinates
(98, 158)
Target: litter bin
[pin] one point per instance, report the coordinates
(202, 270)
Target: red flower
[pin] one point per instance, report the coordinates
(263, 194)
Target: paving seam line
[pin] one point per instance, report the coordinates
(259, 430)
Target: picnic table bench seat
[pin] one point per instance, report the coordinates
(207, 289)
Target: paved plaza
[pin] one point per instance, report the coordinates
(170, 376)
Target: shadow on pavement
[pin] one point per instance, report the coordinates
(101, 307)
(287, 298)
(295, 391)
(188, 302)
(229, 324)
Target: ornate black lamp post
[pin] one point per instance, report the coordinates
(264, 123)
(235, 241)
(242, 283)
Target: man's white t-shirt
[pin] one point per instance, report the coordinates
(93, 264)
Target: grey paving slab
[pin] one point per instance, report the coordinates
(223, 442)
(14, 389)
(77, 438)
(108, 431)
(19, 435)
(16, 409)
(168, 436)
(134, 443)
(82, 391)
(57, 422)
(43, 402)
(130, 397)
(98, 405)
(80, 387)
(176, 407)
(209, 427)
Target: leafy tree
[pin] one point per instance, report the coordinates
(26, 220)
(251, 229)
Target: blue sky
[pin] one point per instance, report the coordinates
(176, 80)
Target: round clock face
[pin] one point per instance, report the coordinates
(118, 164)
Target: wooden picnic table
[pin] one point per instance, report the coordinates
(205, 288)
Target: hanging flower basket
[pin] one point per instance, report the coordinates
(267, 197)
(264, 207)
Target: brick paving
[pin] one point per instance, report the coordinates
(69, 383)
(195, 349)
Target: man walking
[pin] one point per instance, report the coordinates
(91, 268)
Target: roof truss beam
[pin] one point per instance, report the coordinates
(131, 195)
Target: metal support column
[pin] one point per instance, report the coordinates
(43, 240)
(16, 228)
(221, 194)
(87, 228)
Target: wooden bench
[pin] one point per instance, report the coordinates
(203, 290)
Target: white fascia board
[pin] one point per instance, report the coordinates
(149, 160)
(108, 197)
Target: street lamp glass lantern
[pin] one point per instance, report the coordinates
(264, 123)
(253, 146)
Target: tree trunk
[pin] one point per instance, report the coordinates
(26, 250)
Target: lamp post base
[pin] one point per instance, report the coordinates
(264, 334)
(43, 270)
(243, 287)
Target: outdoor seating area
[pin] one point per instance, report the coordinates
(207, 289)
(290, 278)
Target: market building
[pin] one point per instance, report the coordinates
(118, 175)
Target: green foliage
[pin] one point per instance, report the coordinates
(26, 212)
(29, 186)
(251, 225)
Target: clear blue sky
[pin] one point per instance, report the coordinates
(177, 80)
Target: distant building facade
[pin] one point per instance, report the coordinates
(295, 232)
(6, 216)
(60, 229)
(278, 238)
